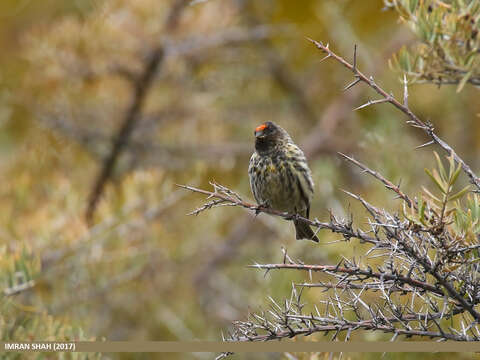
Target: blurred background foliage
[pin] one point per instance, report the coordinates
(144, 270)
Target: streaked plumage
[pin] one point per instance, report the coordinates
(280, 177)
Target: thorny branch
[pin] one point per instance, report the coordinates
(291, 320)
(422, 259)
(357, 272)
(223, 194)
(388, 184)
(422, 278)
(390, 316)
(403, 107)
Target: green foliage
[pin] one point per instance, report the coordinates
(467, 218)
(447, 50)
(444, 182)
(444, 206)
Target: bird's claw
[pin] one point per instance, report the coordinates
(261, 207)
(294, 217)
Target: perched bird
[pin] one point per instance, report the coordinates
(280, 177)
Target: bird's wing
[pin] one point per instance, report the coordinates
(251, 170)
(301, 166)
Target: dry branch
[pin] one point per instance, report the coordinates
(388, 184)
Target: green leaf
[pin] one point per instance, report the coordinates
(475, 207)
(436, 180)
(471, 57)
(421, 210)
(460, 193)
(413, 6)
(454, 177)
(440, 166)
(451, 166)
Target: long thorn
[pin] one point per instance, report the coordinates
(371, 102)
(425, 145)
(405, 91)
(325, 58)
(352, 84)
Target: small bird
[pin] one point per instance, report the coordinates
(280, 177)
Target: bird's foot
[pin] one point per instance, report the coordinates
(261, 207)
(295, 217)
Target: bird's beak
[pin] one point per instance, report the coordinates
(259, 134)
(260, 131)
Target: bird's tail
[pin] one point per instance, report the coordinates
(303, 231)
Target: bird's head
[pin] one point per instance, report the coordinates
(268, 136)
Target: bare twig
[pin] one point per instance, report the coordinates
(122, 137)
(388, 184)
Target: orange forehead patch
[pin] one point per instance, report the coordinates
(261, 127)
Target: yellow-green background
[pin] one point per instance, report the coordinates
(178, 277)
